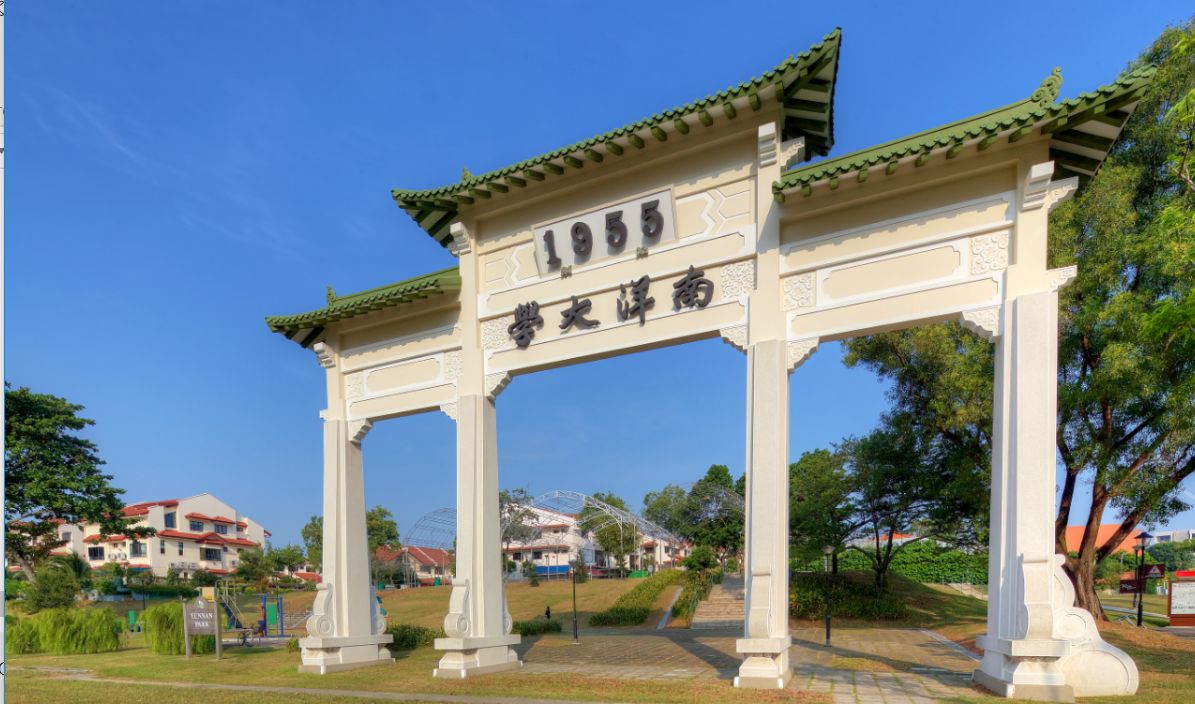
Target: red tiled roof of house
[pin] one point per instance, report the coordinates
(209, 538)
(1074, 536)
(434, 557)
(385, 553)
(309, 577)
(142, 508)
(211, 519)
(96, 537)
(217, 571)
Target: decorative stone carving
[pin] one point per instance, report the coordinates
(460, 240)
(1062, 276)
(320, 623)
(767, 144)
(358, 429)
(984, 322)
(1036, 186)
(1047, 92)
(1061, 191)
(989, 252)
(323, 352)
(449, 409)
(495, 383)
(736, 335)
(800, 350)
(1093, 668)
(354, 385)
(799, 291)
(738, 279)
(456, 623)
(452, 366)
(494, 335)
(790, 152)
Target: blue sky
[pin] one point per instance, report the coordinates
(177, 171)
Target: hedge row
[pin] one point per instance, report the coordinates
(697, 587)
(924, 562)
(408, 637)
(537, 627)
(848, 598)
(65, 631)
(159, 590)
(632, 608)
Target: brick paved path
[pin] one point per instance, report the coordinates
(874, 665)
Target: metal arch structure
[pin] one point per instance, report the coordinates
(716, 500)
(435, 529)
(568, 502)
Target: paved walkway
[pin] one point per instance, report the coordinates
(873, 665)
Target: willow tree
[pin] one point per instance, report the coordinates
(1126, 368)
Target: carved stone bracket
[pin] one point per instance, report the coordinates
(449, 409)
(800, 350)
(460, 240)
(790, 152)
(984, 322)
(736, 335)
(1062, 276)
(325, 355)
(1036, 186)
(1061, 191)
(358, 429)
(495, 383)
(320, 624)
(456, 623)
(768, 148)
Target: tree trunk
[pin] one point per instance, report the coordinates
(26, 568)
(1083, 575)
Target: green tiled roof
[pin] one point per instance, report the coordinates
(1082, 131)
(803, 84)
(306, 327)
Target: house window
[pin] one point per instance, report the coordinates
(197, 525)
(212, 554)
(180, 548)
(221, 529)
(170, 519)
(95, 553)
(161, 547)
(137, 549)
(537, 555)
(518, 557)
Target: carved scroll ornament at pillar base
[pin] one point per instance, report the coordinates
(320, 623)
(798, 351)
(1093, 667)
(760, 614)
(984, 322)
(456, 623)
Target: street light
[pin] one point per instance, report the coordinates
(827, 551)
(1141, 538)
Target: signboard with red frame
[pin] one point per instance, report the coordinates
(1181, 603)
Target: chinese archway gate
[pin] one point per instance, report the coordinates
(711, 220)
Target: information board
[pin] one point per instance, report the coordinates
(1182, 598)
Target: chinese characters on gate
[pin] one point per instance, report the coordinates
(692, 290)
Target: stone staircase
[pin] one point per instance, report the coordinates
(724, 606)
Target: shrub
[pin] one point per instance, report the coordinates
(65, 631)
(166, 590)
(531, 573)
(697, 587)
(408, 637)
(702, 558)
(536, 627)
(203, 578)
(55, 587)
(163, 626)
(15, 587)
(848, 598)
(632, 608)
(292, 645)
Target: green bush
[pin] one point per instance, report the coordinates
(163, 626)
(536, 627)
(203, 578)
(849, 598)
(65, 631)
(165, 590)
(923, 561)
(292, 645)
(697, 587)
(632, 608)
(408, 637)
(702, 558)
(54, 588)
(15, 587)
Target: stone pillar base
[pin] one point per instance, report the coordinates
(1035, 692)
(324, 655)
(765, 664)
(470, 657)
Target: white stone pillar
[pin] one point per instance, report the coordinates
(766, 638)
(1038, 644)
(346, 629)
(477, 624)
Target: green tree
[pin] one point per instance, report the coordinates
(518, 522)
(55, 587)
(821, 504)
(203, 578)
(1175, 556)
(75, 564)
(702, 558)
(666, 508)
(51, 476)
(313, 539)
(254, 565)
(287, 557)
(616, 538)
(714, 519)
(381, 529)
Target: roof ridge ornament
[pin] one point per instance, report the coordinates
(1047, 92)
(330, 295)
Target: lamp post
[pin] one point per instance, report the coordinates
(576, 640)
(827, 551)
(1141, 538)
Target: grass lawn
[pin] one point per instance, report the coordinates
(1153, 602)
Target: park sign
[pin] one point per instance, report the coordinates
(1153, 571)
(705, 222)
(202, 618)
(1130, 586)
